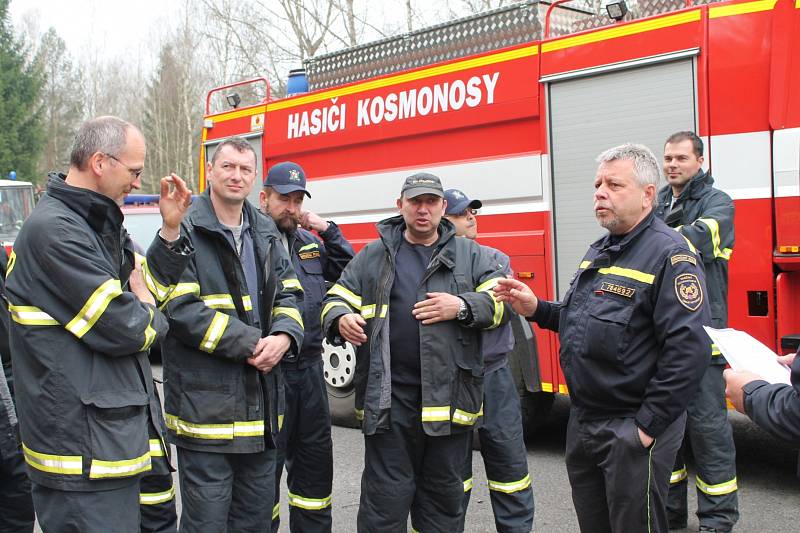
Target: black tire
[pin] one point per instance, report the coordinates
(342, 402)
(535, 410)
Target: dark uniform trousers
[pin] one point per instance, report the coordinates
(157, 504)
(16, 505)
(504, 456)
(406, 469)
(226, 492)
(709, 432)
(618, 485)
(307, 450)
(102, 511)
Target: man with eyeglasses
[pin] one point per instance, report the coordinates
(83, 317)
(234, 314)
(501, 437)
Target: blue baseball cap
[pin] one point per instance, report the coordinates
(458, 202)
(287, 177)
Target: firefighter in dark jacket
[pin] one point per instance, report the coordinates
(305, 443)
(82, 323)
(233, 315)
(704, 215)
(414, 302)
(775, 407)
(16, 505)
(633, 349)
(502, 446)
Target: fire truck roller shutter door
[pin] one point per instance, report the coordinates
(587, 114)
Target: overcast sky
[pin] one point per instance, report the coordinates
(109, 27)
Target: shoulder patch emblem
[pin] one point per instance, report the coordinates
(686, 258)
(615, 288)
(689, 292)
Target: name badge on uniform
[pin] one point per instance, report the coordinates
(617, 289)
(689, 292)
(683, 258)
(309, 251)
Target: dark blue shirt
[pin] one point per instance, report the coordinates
(411, 262)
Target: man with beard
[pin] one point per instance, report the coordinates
(305, 443)
(633, 349)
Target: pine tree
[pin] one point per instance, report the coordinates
(21, 134)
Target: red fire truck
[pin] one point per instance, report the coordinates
(512, 107)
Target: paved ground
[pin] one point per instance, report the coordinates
(769, 488)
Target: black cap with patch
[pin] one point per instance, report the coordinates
(458, 202)
(287, 177)
(422, 183)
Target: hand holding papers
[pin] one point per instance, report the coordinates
(746, 354)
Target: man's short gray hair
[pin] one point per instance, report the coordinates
(102, 134)
(645, 165)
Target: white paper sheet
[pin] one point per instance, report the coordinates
(745, 353)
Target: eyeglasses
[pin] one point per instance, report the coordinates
(468, 211)
(134, 172)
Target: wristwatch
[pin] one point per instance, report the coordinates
(463, 311)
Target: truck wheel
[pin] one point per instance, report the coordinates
(339, 366)
(535, 410)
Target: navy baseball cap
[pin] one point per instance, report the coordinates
(286, 177)
(458, 202)
(422, 183)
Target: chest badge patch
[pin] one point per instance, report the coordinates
(617, 289)
(689, 292)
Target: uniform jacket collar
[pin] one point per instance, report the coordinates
(101, 212)
(607, 244)
(697, 187)
(391, 233)
(202, 215)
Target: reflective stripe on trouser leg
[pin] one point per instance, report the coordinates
(714, 453)
(504, 454)
(157, 504)
(407, 470)
(308, 448)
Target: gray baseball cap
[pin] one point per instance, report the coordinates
(422, 183)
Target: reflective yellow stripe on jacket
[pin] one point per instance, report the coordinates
(292, 283)
(214, 332)
(182, 289)
(225, 301)
(347, 295)
(487, 286)
(54, 464)
(29, 315)
(250, 428)
(149, 333)
(331, 305)
(713, 228)
(368, 311)
(291, 312)
(94, 308)
(130, 467)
